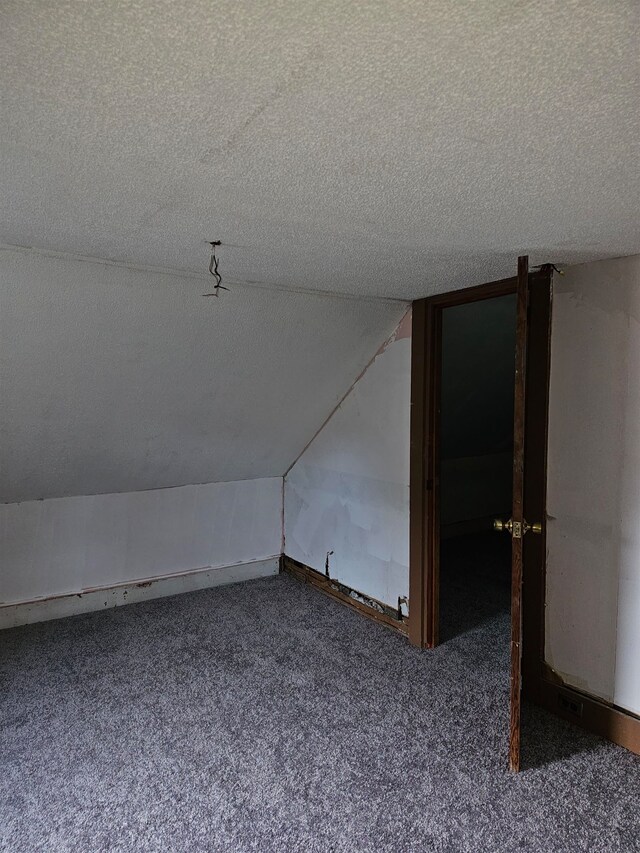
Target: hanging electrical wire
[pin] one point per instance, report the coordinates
(213, 269)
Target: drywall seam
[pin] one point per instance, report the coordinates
(88, 600)
(402, 330)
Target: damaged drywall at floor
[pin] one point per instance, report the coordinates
(593, 529)
(348, 493)
(61, 606)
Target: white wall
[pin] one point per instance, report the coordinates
(593, 531)
(120, 380)
(67, 545)
(349, 491)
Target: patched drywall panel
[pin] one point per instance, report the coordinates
(119, 380)
(349, 491)
(388, 147)
(67, 545)
(593, 530)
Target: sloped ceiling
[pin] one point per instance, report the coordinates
(377, 149)
(116, 380)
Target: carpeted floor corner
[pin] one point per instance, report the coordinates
(266, 717)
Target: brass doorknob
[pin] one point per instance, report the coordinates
(516, 529)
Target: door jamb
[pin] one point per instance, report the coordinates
(424, 521)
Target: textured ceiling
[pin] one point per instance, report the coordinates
(366, 147)
(117, 380)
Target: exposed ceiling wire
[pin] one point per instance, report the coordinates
(213, 269)
(273, 287)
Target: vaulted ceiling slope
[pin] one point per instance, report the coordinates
(116, 380)
(389, 147)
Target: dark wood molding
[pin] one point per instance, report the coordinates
(609, 721)
(418, 475)
(335, 589)
(517, 513)
(477, 293)
(424, 488)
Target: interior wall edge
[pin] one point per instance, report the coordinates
(400, 331)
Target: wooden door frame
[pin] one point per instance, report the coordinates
(541, 684)
(424, 521)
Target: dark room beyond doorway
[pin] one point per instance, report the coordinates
(476, 466)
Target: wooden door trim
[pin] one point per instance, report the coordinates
(420, 509)
(595, 715)
(424, 522)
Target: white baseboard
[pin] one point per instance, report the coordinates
(71, 604)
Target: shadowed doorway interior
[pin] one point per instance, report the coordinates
(476, 468)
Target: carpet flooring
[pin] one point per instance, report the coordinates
(266, 717)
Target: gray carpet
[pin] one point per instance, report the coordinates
(266, 717)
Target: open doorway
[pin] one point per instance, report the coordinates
(449, 535)
(436, 450)
(475, 467)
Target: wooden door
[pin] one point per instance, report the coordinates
(517, 526)
(527, 526)
(529, 476)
